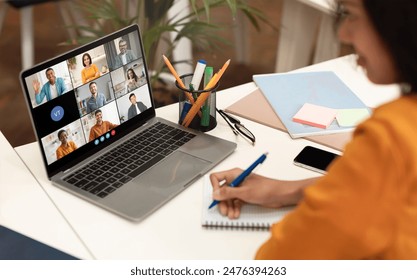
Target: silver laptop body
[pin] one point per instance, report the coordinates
(85, 155)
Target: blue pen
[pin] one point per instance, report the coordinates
(239, 179)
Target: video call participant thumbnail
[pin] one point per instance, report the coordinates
(53, 88)
(96, 100)
(90, 71)
(66, 146)
(136, 107)
(125, 56)
(101, 126)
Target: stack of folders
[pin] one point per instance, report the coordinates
(252, 216)
(312, 103)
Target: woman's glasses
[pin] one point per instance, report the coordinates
(236, 126)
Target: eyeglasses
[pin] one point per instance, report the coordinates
(236, 126)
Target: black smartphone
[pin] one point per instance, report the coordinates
(314, 159)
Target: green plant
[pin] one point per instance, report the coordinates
(106, 16)
(72, 62)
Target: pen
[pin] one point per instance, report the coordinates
(186, 107)
(239, 179)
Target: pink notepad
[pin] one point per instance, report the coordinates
(315, 115)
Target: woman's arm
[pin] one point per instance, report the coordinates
(255, 189)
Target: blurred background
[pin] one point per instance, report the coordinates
(258, 55)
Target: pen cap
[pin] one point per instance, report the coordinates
(205, 120)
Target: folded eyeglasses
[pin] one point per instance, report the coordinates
(236, 126)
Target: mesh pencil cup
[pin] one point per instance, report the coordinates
(205, 119)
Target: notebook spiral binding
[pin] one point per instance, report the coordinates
(236, 225)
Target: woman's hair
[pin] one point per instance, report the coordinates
(89, 57)
(396, 23)
(135, 77)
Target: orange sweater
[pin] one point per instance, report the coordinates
(366, 206)
(65, 150)
(98, 130)
(89, 74)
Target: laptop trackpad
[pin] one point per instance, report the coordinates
(172, 173)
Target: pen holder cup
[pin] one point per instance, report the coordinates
(205, 118)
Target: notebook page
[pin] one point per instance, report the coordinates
(251, 216)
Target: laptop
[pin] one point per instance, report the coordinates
(95, 121)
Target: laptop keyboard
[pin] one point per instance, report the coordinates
(120, 165)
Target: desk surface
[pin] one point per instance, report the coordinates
(26, 208)
(175, 231)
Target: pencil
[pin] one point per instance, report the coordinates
(202, 98)
(217, 77)
(177, 78)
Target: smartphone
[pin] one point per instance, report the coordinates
(314, 159)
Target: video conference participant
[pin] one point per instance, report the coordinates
(90, 71)
(101, 126)
(132, 80)
(135, 108)
(66, 146)
(125, 56)
(96, 100)
(52, 89)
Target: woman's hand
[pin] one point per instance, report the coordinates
(255, 189)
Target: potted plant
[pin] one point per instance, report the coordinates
(72, 63)
(105, 16)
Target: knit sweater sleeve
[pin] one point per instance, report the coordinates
(348, 213)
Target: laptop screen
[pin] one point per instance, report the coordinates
(84, 100)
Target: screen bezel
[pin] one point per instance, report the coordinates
(122, 130)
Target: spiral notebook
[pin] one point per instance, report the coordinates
(252, 216)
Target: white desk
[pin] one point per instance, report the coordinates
(26, 208)
(175, 231)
